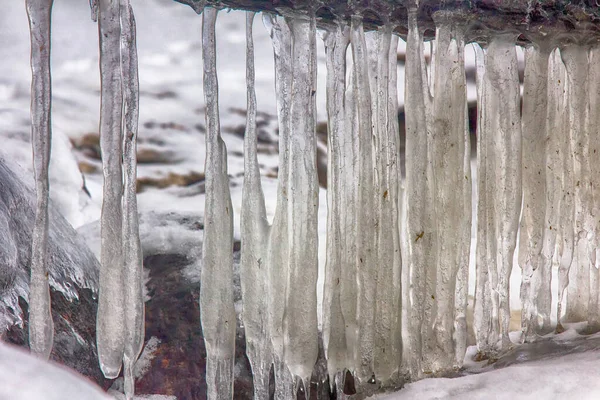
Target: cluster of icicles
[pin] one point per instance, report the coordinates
(386, 312)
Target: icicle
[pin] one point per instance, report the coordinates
(255, 231)
(575, 58)
(450, 191)
(535, 295)
(417, 106)
(486, 328)
(367, 268)
(395, 193)
(504, 122)
(133, 273)
(110, 319)
(593, 122)
(300, 318)
(41, 326)
(278, 248)
(565, 222)
(334, 318)
(216, 292)
(386, 192)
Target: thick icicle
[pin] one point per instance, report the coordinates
(504, 120)
(565, 222)
(255, 231)
(41, 326)
(278, 248)
(366, 255)
(450, 191)
(133, 273)
(575, 58)
(216, 291)
(535, 294)
(555, 154)
(417, 106)
(485, 325)
(300, 319)
(386, 192)
(110, 335)
(593, 122)
(334, 323)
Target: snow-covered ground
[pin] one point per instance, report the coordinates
(172, 137)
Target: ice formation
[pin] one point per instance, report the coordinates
(391, 308)
(216, 293)
(41, 326)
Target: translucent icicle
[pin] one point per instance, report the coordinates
(334, 324)
(593, 122)
(567, 211)
(300, 318)
(133, 273)
(216, 293)
(387, 176)
(504, 120)
(535, 295)
(575, 58)
(555, 154)
(395, 193)
(110, 335)
(255, 231)
(486, 300)
(366, 265)
(417, 106)
(278, 248)
(450, 191)
(41, 326)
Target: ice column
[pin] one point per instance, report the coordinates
(387, 344)
(365, 247)
(593, 122)
(300, 317)
(575, 58)
(338, 345)
(499, 202)
(132, 251)
(255, 232)
(449, 147)
(278, 247)
(418, 106)
(41, 326)
(216, 292)
(536, 271)
(111, 332)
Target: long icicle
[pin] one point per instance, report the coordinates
(334, 318)
(133, 272)
(278, 248)
(300, 318)
(448, 154)
(575, 58)
(535, 297)
(367, 268)
(110, 335)
(555, 126)
(505, 123)
(417, 107)
(486, 331)
(41, 326)
(385, 352)
(216, 291)
(255, 232)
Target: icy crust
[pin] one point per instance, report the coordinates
(71, 264)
